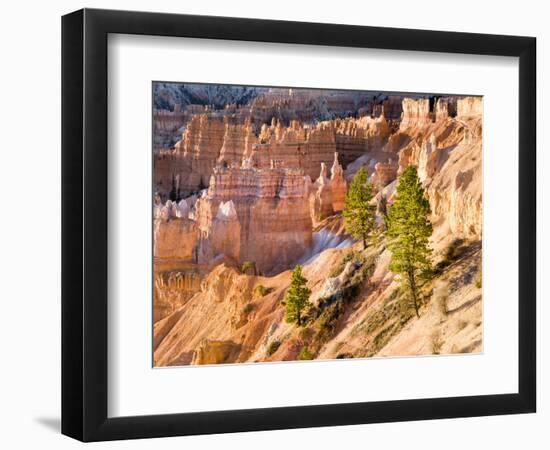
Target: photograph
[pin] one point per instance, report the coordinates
(297, 224)
(259, 226)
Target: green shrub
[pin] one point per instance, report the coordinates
(344, 356)
(356, 282)
(382, 338)
(385, 321)
(331, 309)
(248, 267)
(247, 309)
(305, 334)
(310, 313)
(351, 288)
(305, 354)
(353, 255)
(328, 320)
(454, 251)
(262, 291)
(273, 347)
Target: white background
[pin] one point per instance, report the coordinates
(135, 389)
(30, 230)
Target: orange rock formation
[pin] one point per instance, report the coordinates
(267, 197)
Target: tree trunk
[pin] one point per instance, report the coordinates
(412, 286)
(364, 242)
(299, 319)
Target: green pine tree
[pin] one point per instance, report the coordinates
(408, 232)
(296, 297)
(358, 213)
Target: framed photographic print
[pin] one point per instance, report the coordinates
(273, 224)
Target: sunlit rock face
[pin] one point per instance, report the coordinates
(455, 189)
(271, 208)
(265, 182)
(247, 214)
(384, 173)
(328, 194)
(429, 158)
(416, 113)
(215, 352)
(446, 148)
(250, 214)
(200, 146)
(173, 232)
(338, 185)
(355, 137)
(210, 140)
(321, 197)
(469, 108)
(226, 231)
(294, 147)
(259, 187)
(175, 238)
(172, 289)
(237, 144)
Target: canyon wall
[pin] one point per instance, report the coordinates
(260, 189)
(211, 141)
(264, 216)
(356, 137)
(247, 214)
(454, 172)
(295, 146)
(294, 128)
(237, 144)
(270, 207)
(447, 151)
(174, 233)
(270, 188)
(172, 289)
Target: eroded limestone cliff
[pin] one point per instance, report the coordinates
(265, 199)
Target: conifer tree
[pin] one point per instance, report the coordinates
(296, 297)
(408, 232)
(358, 213)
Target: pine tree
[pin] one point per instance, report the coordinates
(408, 232)
(296, 297)
(358, 212)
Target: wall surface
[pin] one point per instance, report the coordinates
(30, 227)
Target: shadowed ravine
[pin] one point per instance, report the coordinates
(323, 240)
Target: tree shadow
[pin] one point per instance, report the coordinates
(465, 305)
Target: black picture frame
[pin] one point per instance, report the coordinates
(84, 224)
